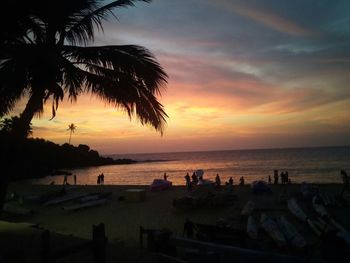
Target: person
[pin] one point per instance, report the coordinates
(275, 177)
(282, 177)
(165, 177)
(217, 180)
(102, 179)
(75, 179)
(65, 180)
(345, 178)
(270, 179)
(230, 181)
(188, 228)
(99, 179)
(286, 177)
(241, 181)
(188, 182)
(194, 179)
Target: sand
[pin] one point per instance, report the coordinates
(123, 218)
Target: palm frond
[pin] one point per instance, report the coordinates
(81, 26)
(13, 85)
(127, 77)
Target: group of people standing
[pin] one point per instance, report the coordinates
(101, 179)
(194, 180)
(284, 178)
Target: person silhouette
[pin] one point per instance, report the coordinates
(217, 180)
(345, 178)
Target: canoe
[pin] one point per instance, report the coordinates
(295, 209)
(319, 208)
(252, 228)
(271, 228)
(17, 210)
(64, 198)
(94, 196)
(291, 234)
(85, 205)
(248, 208)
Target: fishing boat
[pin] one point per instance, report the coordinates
(271, 228)
(295, 209)
(85, 205)
(248, 208)
(291, 234)
(252, 228)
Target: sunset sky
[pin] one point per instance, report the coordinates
(242, 74)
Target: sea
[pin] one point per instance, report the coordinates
(313, 165)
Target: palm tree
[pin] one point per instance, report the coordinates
(71, 128)
(45, 55)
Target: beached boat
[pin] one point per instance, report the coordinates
(252, 228)
(94, 196)
(271, 228)
(64, 198)
(160, 184)
(17, 210)
(85, 205)
(319, 208)
(248, 208)
(291, 234)
(295, 209)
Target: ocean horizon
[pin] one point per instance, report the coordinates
(312, 164)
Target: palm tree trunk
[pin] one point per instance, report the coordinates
(12, 146)
(34, 104)
(70, 136)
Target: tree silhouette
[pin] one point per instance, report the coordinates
(71, 128)
(46, 54)
(7, 125)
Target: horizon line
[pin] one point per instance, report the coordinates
(240, 149)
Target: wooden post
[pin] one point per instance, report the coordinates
(99, 241)
(45, 247)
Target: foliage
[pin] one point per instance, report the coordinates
(39, 157)
(46, 54)
(7, 125)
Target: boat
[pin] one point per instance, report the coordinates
(319, 208)
(271, 228)
(94, 196)
(64, 198)
(295, 209)
(290, 233)
(85, 205)
(160, 184)
(252, 228)
(17, 210)
(248, 208)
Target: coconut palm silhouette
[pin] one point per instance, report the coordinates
(46, 54)
(71, 129)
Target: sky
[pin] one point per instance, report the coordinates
(242, 75)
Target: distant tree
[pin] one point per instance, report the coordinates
(71, 128)
(7, 125)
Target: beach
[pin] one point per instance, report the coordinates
(123, 218)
